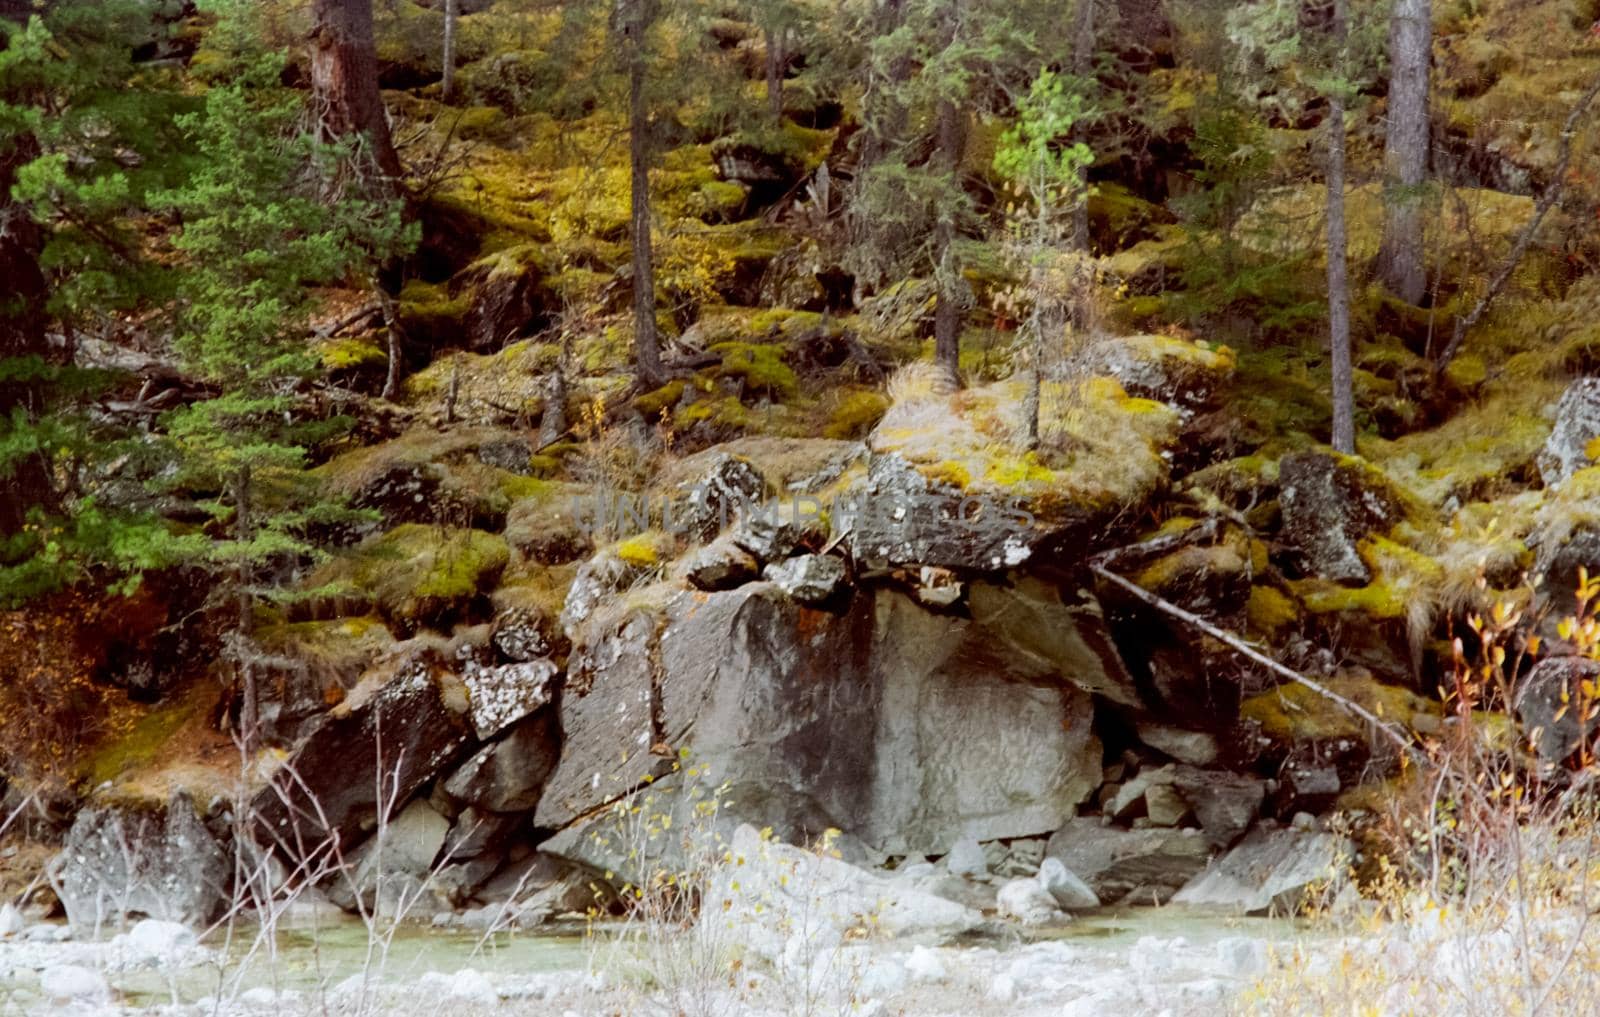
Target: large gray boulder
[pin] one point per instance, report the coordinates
(1577, 425)
(397, 730)
(508, 775)
(1272, 869)
(1329, 503)
(905, 729)
(1139, 866)
(159, 861)
(898, 516)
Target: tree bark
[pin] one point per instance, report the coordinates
(647, 344)
(1083, 44)
(775, 62)
(344, 76)
(1401, 263)
(947, 273)
(452, 11)
(23, 291)
(1344, 435)
(249, 701)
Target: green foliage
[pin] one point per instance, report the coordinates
(262, 221)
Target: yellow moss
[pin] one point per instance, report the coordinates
(854, 413)
(1011, 471)
(1378, 600)
(1293, 712)
(350, 354)
(950, 473)
(1269, 611)
(644, 550)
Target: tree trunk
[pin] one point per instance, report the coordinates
(23, 291)
(1401, 263)
(775, 62)
(1344, 435)
(647, 344)
(947, 273)
(1083, 41)
(344, 76)
(452, 11)
(249, 703)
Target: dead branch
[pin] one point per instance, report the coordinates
(1244, 648)
(1547, 200)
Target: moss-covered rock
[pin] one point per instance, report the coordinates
(418, 575)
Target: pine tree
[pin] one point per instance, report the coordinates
(1046, 173)
(86, 133)
(255, 235)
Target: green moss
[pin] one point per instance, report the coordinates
(144, 743)
(949, 473)
(759, 365)
(1466, 372)
(420, 575)
(721, 411)
(1269, 611)
(429, 312)
(855, 413)
(1294, 713)
(1012, 471)
(652, 404)
(351, 354)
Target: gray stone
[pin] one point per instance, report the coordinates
(1043, 631)
(776, 887)
(1163, 806)
(1173, 371)
(68, 983)
(1550, 706)
(519, 635)
(510, 454)
(152, 860)
(1197, 748)
(1129, 801)
(400, 732)
(810, 578)
(1329, 504)
(714, 498)
(605, 719)
(475, 832)
(1225, 804)
(392, 868)
(1143, 866)
(721, 565)
(1270, 870)
(11, 922)
(509, 775)
(776, 530)
(1024, 900)
(966, 858)
(153, 941)
(906, 730)
(898, 516)
(597, 579)
(500, 696)
(1070, 892)
(1577, 425)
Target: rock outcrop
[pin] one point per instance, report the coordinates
(902, 728)
(1571, 443)
(158, 861)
